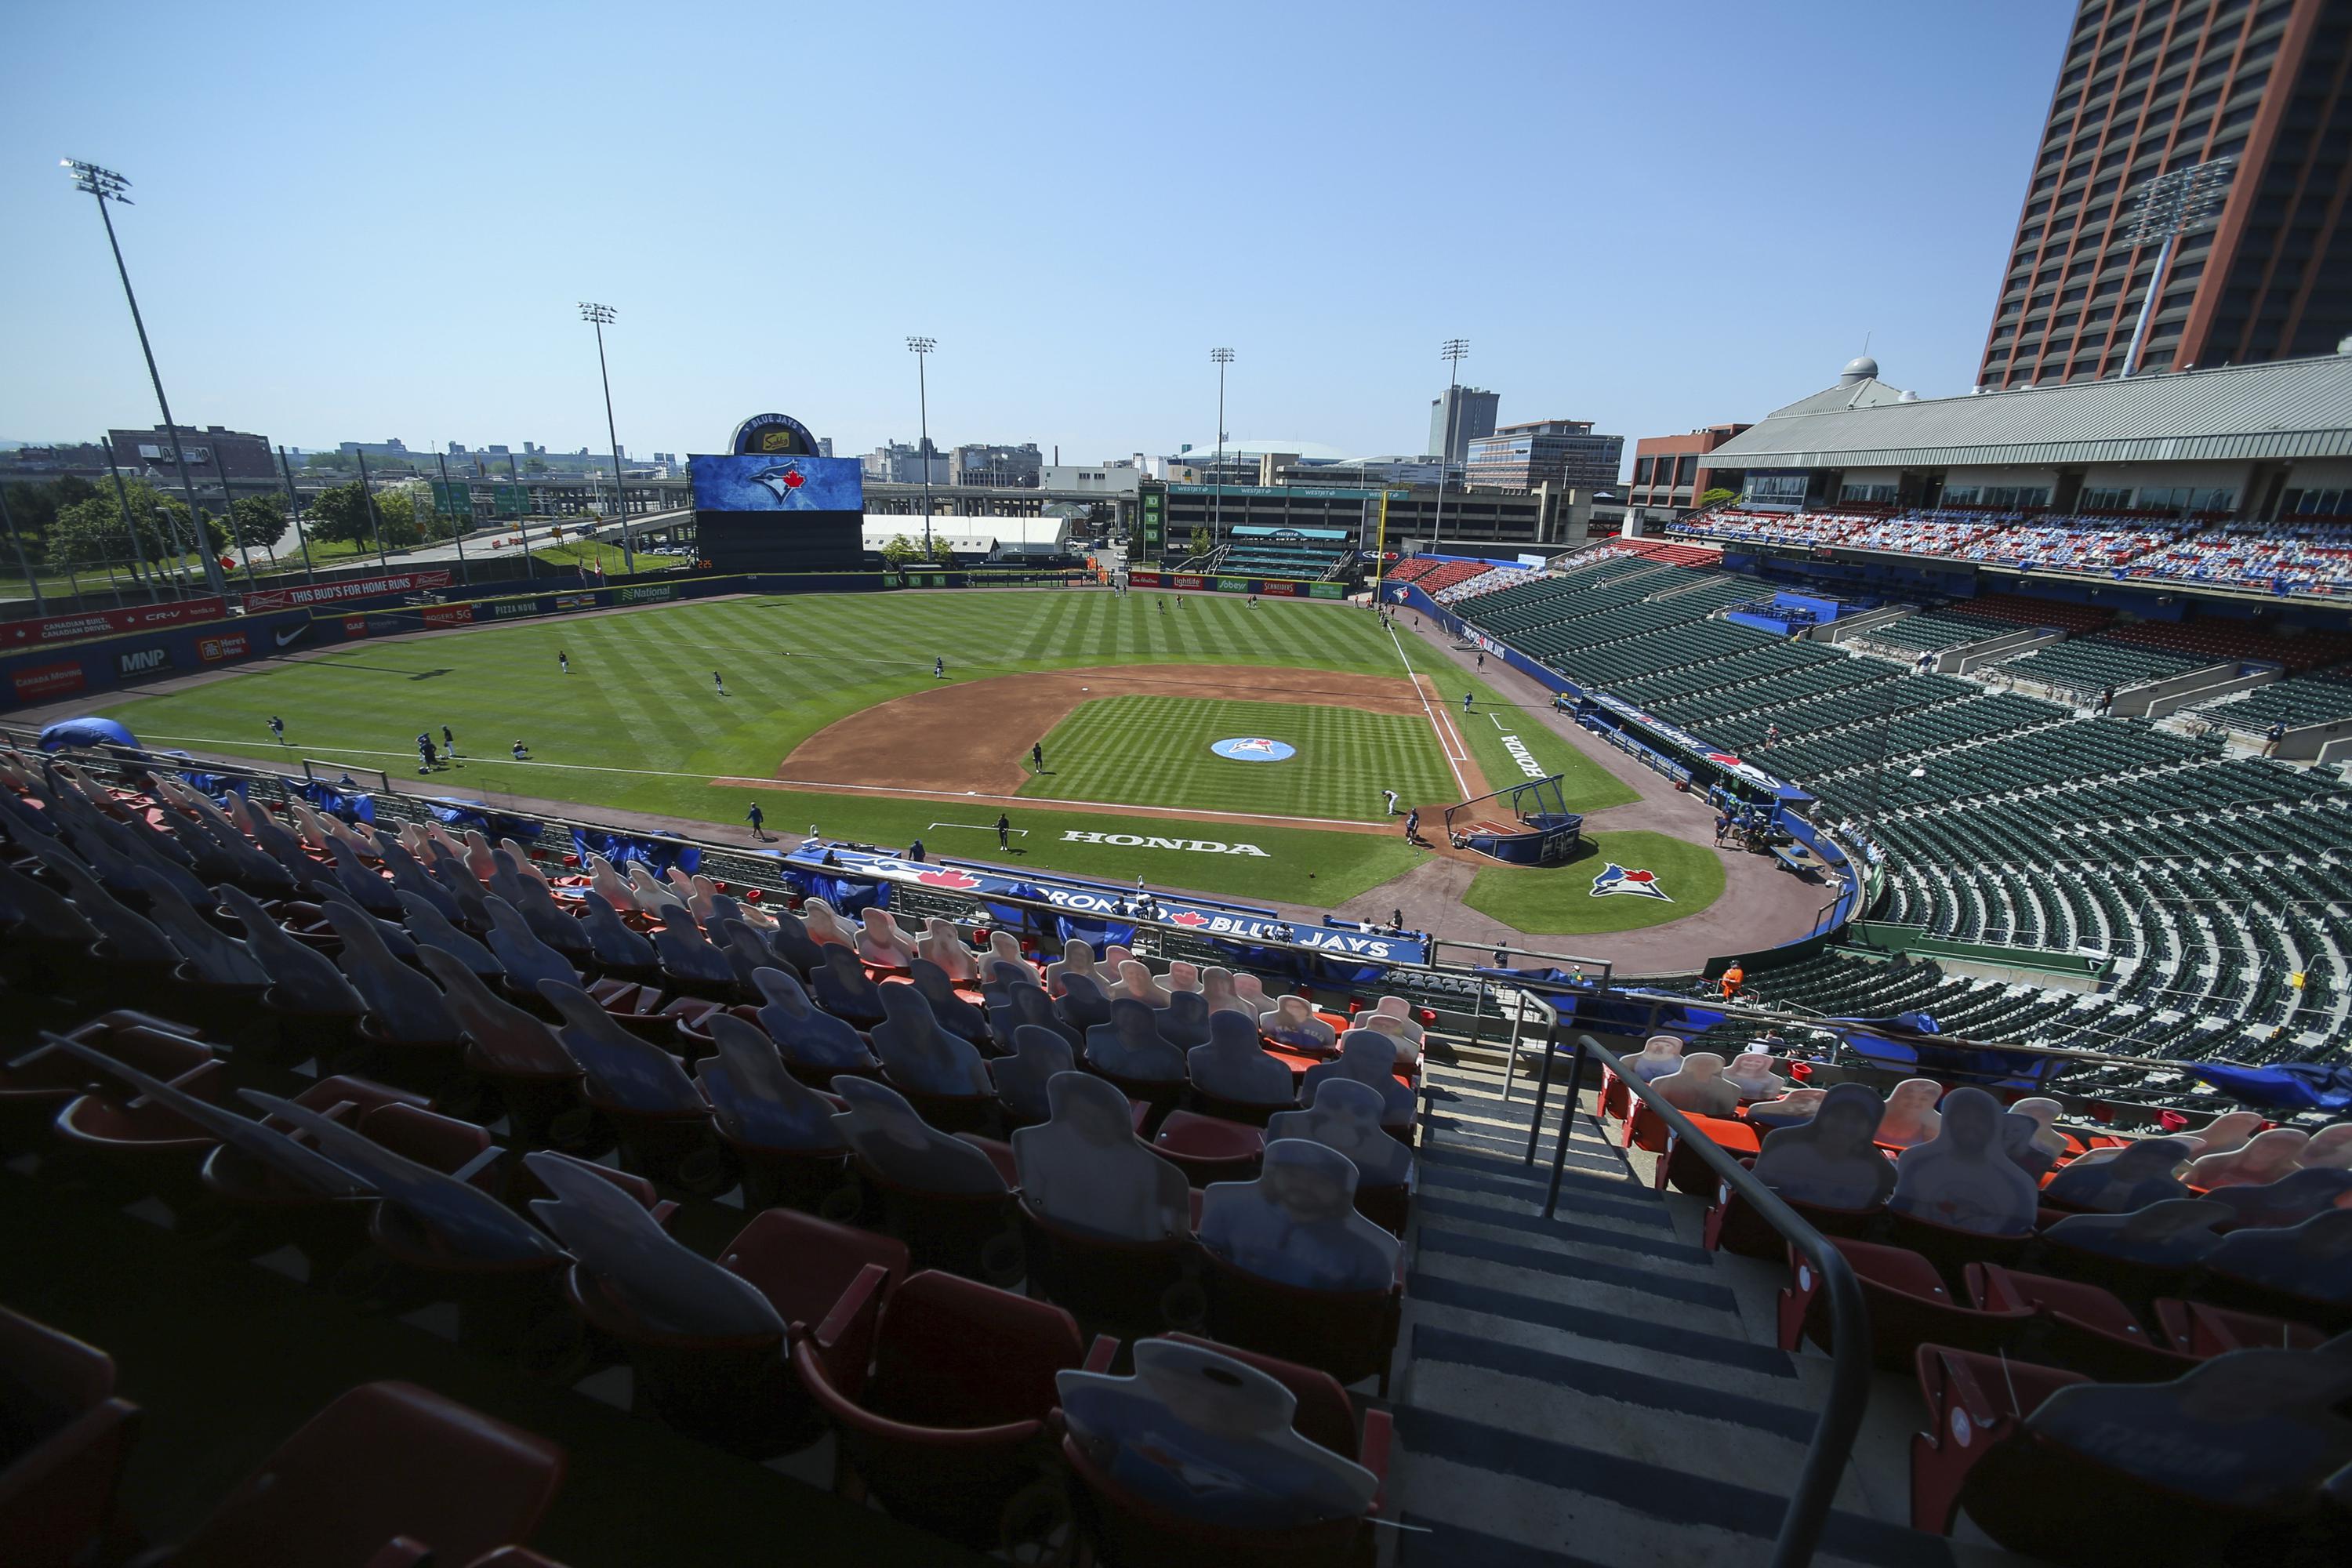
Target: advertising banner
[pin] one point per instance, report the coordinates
(647, 593)
(227, 644)
(41, 682)
(355, 626)
(507, 609)
(105, 623)
(1682, 740)
(133, 663)
(358, 588)
(449, 615)
(1223, 921)
(575, 601)
(1143, 580)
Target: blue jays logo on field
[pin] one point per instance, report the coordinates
(1615, 878)
(1253, 749)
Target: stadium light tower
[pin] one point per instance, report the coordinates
(2170, 205)
(921, 349)
(107, 185)
(602, 316)
(1452, 350)
(1219, 358)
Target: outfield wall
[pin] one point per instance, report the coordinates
(291, 619)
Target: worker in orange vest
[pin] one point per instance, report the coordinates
(1733, 978)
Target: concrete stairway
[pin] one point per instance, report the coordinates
(1597, 1390)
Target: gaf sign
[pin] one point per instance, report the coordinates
(138, 662)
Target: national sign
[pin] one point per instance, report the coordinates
(1615, 878)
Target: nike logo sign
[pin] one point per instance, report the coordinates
(289, 633)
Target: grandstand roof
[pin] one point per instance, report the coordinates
(2293, 408)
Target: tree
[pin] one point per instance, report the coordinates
(533, 466)
(258, 521)
(943, 553)
(1718, 495)
(901, 553)
(92, 530)
(1200, 542)
(340, 516)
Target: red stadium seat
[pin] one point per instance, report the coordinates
(1209, 1149)
(966, 1234)
(36, 1086)
(1973, 1401)
(941, 1428)
(2077, 1326)
(1907, 1303)
(387, 1461)
(2200, 1330)
(63, 1441)
(1733, 1227)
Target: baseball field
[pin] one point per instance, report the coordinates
(1211, 744)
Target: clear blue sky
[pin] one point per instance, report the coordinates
(356, 223)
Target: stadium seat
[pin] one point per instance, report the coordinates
(1209, 1149)
(514, 1056)
(2252, 1437)
(844, 990)
(2203, 1331)
(660, 1117)
(63, 1438)
(1973, 1401)
(388, 1462)
(816, 1047)
(36, 1085)
(2077, 1326)
(941, 1426)
(947, 1197)
(1127, 1527)
(1234, 1077)
(1907, 1302)
(780, 1130)
(1293, 1270)
(957, 1015)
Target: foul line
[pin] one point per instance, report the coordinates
(1461, 785)
(1104, 807)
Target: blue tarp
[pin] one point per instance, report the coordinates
(86, 732)
(658, 854)
(341, 799)
(2294, 1086)
(452, 811)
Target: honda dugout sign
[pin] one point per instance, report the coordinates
(106, 623)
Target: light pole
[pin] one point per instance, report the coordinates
(107, 185)
(602, 316)
(294, 514)
(2168, 206)
(1452, 350)
(921, 349)
(1219, 358)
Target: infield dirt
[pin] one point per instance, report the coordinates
(976, 734)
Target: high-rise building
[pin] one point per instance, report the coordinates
(2148, 88)
(983, 466)
(1458, 416)
(1670, 472)
(1562, 452)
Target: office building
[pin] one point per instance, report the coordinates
(2149, 89)
(395, 448)
(901, 463)
(1458, 416)
(1670, 472)
(1558, 451)
(211, 451)
(981, 467)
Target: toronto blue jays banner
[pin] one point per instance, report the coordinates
(1229, 923)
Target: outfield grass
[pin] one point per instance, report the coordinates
(638, 726)
(1558, 900)
(1154, 750)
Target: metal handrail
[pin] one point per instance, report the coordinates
(1841, 1417)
